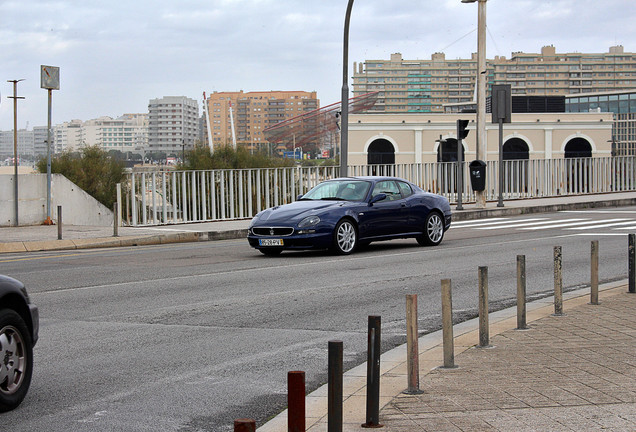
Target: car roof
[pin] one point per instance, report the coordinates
(370, 178)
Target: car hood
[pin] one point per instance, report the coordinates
(296, 211)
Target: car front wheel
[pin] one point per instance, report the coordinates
(16, 359)
(433, 230)
(345, 237)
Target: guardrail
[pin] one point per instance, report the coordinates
(171, 197)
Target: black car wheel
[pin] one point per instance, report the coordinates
(16, 359)
(345, 237)
(433, 230)
(270, 252)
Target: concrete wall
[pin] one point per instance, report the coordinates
(78, 207)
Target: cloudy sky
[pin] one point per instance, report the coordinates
(116, 55)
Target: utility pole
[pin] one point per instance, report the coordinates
(481, 151)
(344, 103)
(15, 148)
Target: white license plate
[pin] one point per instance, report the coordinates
(270, 242)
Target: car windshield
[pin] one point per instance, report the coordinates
(339, 190)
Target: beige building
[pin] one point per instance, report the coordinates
(426, 85)
(252, 112)
(418, 138)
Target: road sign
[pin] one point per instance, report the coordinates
(50, 77)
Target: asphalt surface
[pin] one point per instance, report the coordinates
(215, 378)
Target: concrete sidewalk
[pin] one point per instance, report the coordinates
(40, 237)
(575, 372)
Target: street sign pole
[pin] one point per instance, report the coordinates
(49, 80)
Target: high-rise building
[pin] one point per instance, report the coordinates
(127, 133)
(67, 136)
(427, 85)
(252, 112)
(172, 124)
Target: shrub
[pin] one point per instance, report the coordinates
(92, 169)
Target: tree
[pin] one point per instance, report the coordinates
(92, 169)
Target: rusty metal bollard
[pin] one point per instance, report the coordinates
(244, 425)
(334, 392)
(558, 282)
(296, 401)
(484, 333)
(594, 273)
(447, 324)
(373, 373)
(412, 348)
(521, 293)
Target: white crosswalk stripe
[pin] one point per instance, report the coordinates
(569, 224)
(544, 223)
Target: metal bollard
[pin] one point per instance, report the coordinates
(115, 221)
(521, 292)
(412, 348)
(59, 222)
(334, 392)
(447, 324)
(244, 425)
(594, 273)
(484, 335)
(296, 401)
(373, 374)
(558, 282)
(632, 264)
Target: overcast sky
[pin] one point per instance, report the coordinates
(116, 55)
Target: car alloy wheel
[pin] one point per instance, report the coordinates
(15, 359)
(433, 230)
(346, 237)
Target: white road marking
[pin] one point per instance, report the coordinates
(562, 225)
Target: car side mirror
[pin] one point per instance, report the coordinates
(376, 198)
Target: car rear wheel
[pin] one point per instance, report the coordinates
(433, 230)
(16, 359)
(345, 237)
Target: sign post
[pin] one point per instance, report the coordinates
(501, 98)
(49, 80)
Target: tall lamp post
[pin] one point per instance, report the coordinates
(344, 104)
(480, 148)
(15, 98)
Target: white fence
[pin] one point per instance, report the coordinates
(170, 197)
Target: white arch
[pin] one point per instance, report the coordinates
(450, 136)
(384, 137)
(578, 135)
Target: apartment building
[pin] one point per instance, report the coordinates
(427, 85)
(24, 147)
(252, 112)
(67, 136)
(127, 133)
(172, 124)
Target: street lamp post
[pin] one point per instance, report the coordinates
(480, 148)
(344, 104)
(15, 98)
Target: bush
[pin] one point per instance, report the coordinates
(227, 158)
(92, 169)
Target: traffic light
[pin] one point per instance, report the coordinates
(462, 132)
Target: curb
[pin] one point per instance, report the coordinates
(393, 379)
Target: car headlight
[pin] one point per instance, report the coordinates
(309, 221)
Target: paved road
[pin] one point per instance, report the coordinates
(188, 337)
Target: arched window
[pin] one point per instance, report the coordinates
(515, 149)
(447, 151)
(381, 152)
(578, 148)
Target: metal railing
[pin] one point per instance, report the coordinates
(171, 197)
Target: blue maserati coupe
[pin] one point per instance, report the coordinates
(345, 213)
